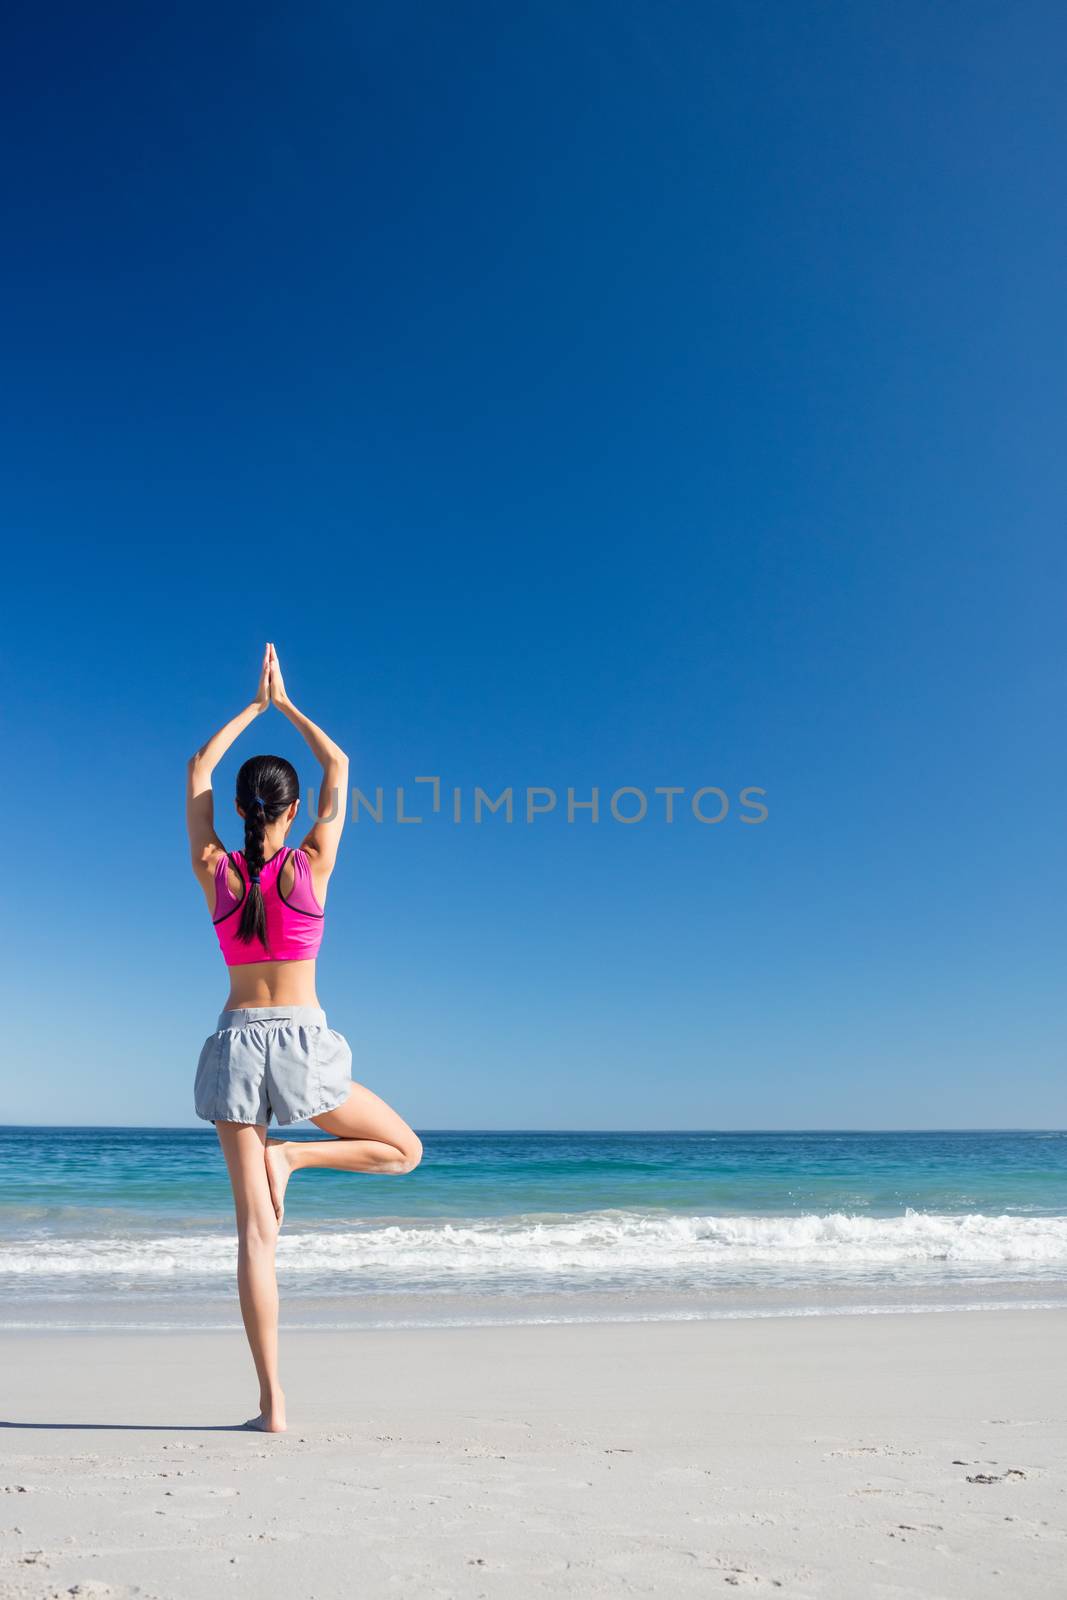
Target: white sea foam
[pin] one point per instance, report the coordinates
(622, 1245)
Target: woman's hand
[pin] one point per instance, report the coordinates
(263, 692)
(277, 682)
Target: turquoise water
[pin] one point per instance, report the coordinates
(138, 1222)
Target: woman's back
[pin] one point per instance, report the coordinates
(293, 926)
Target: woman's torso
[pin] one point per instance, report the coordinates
(294, 901)
(272, 983)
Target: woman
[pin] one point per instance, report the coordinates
(272, 1053)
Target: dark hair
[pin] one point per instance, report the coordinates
(266, 786)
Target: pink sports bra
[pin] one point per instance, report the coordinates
(294, 921)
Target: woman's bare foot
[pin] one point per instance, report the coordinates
(267, 1422)
(271, 1417)
(276, 1155)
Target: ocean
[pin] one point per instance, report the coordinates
(133, 1227)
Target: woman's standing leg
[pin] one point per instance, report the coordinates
(257, 1283)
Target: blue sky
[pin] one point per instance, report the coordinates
(614, 395)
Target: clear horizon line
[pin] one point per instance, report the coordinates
(194, 1127)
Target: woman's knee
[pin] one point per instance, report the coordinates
(411, 1153)
(257, 1232)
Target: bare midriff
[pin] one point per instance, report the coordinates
(272, 983)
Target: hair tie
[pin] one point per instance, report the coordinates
(257, 800)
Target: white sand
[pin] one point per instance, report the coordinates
(829, 1457)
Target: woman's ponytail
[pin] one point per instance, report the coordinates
(266, 787)
(253, 912)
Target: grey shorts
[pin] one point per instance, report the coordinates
(272, 1061)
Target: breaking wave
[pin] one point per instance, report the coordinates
(617, 1248)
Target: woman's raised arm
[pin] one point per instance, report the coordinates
(322, 842)
(204, 843)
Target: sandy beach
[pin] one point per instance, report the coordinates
(894, 1455)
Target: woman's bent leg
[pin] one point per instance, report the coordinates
(257, 1284)
(366, 1136)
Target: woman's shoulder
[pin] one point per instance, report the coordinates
(211, 858)
(224, 858)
